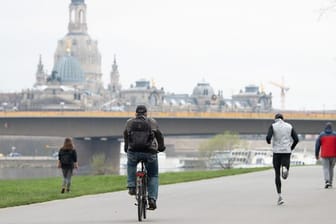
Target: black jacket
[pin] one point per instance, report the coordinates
(157, 135)
(71, 154)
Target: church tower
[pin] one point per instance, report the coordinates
(40, 75)
(81, 47)
(77, 17)
(115, 86)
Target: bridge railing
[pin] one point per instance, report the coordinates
(236, 115)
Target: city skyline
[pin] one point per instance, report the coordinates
(178, 44)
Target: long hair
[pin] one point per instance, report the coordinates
(68, 144)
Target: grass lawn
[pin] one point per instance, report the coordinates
(23, 192)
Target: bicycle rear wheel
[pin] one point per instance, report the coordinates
(141, 198)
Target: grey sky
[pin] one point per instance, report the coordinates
(178, 43)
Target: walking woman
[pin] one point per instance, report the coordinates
(67, 160)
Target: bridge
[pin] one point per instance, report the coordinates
(111, 124)
(103, 130)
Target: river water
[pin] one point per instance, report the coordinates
(28, 172)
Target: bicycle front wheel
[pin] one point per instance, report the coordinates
(144, 199)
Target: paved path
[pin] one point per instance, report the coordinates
(242, 199)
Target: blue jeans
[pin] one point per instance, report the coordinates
(152, 167)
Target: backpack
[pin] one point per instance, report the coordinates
(66, 157)
(140, 134)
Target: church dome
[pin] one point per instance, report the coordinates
(203, 89)
(69, 70)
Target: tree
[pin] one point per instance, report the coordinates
(216, 149)
(98, 164)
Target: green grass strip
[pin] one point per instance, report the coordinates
(28, 191)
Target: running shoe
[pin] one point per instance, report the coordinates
(284, 172)
(280, 200)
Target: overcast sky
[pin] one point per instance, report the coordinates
(179, 43)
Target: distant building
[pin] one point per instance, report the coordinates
(143, 92)
(252, 99)
(75, 83)
(78, 44)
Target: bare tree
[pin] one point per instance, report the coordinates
(217, 149)
(328, 8)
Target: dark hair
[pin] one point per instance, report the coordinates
(279, 116)
(68, 144)
(141, 109)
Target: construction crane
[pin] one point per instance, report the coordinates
(283, 89)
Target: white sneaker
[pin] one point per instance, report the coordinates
(280, 200)
(284, 172)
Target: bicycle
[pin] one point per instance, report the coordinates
(141, 191)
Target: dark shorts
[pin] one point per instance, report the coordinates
(281, 159)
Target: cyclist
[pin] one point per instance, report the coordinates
(148, 153)
(284, 141)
